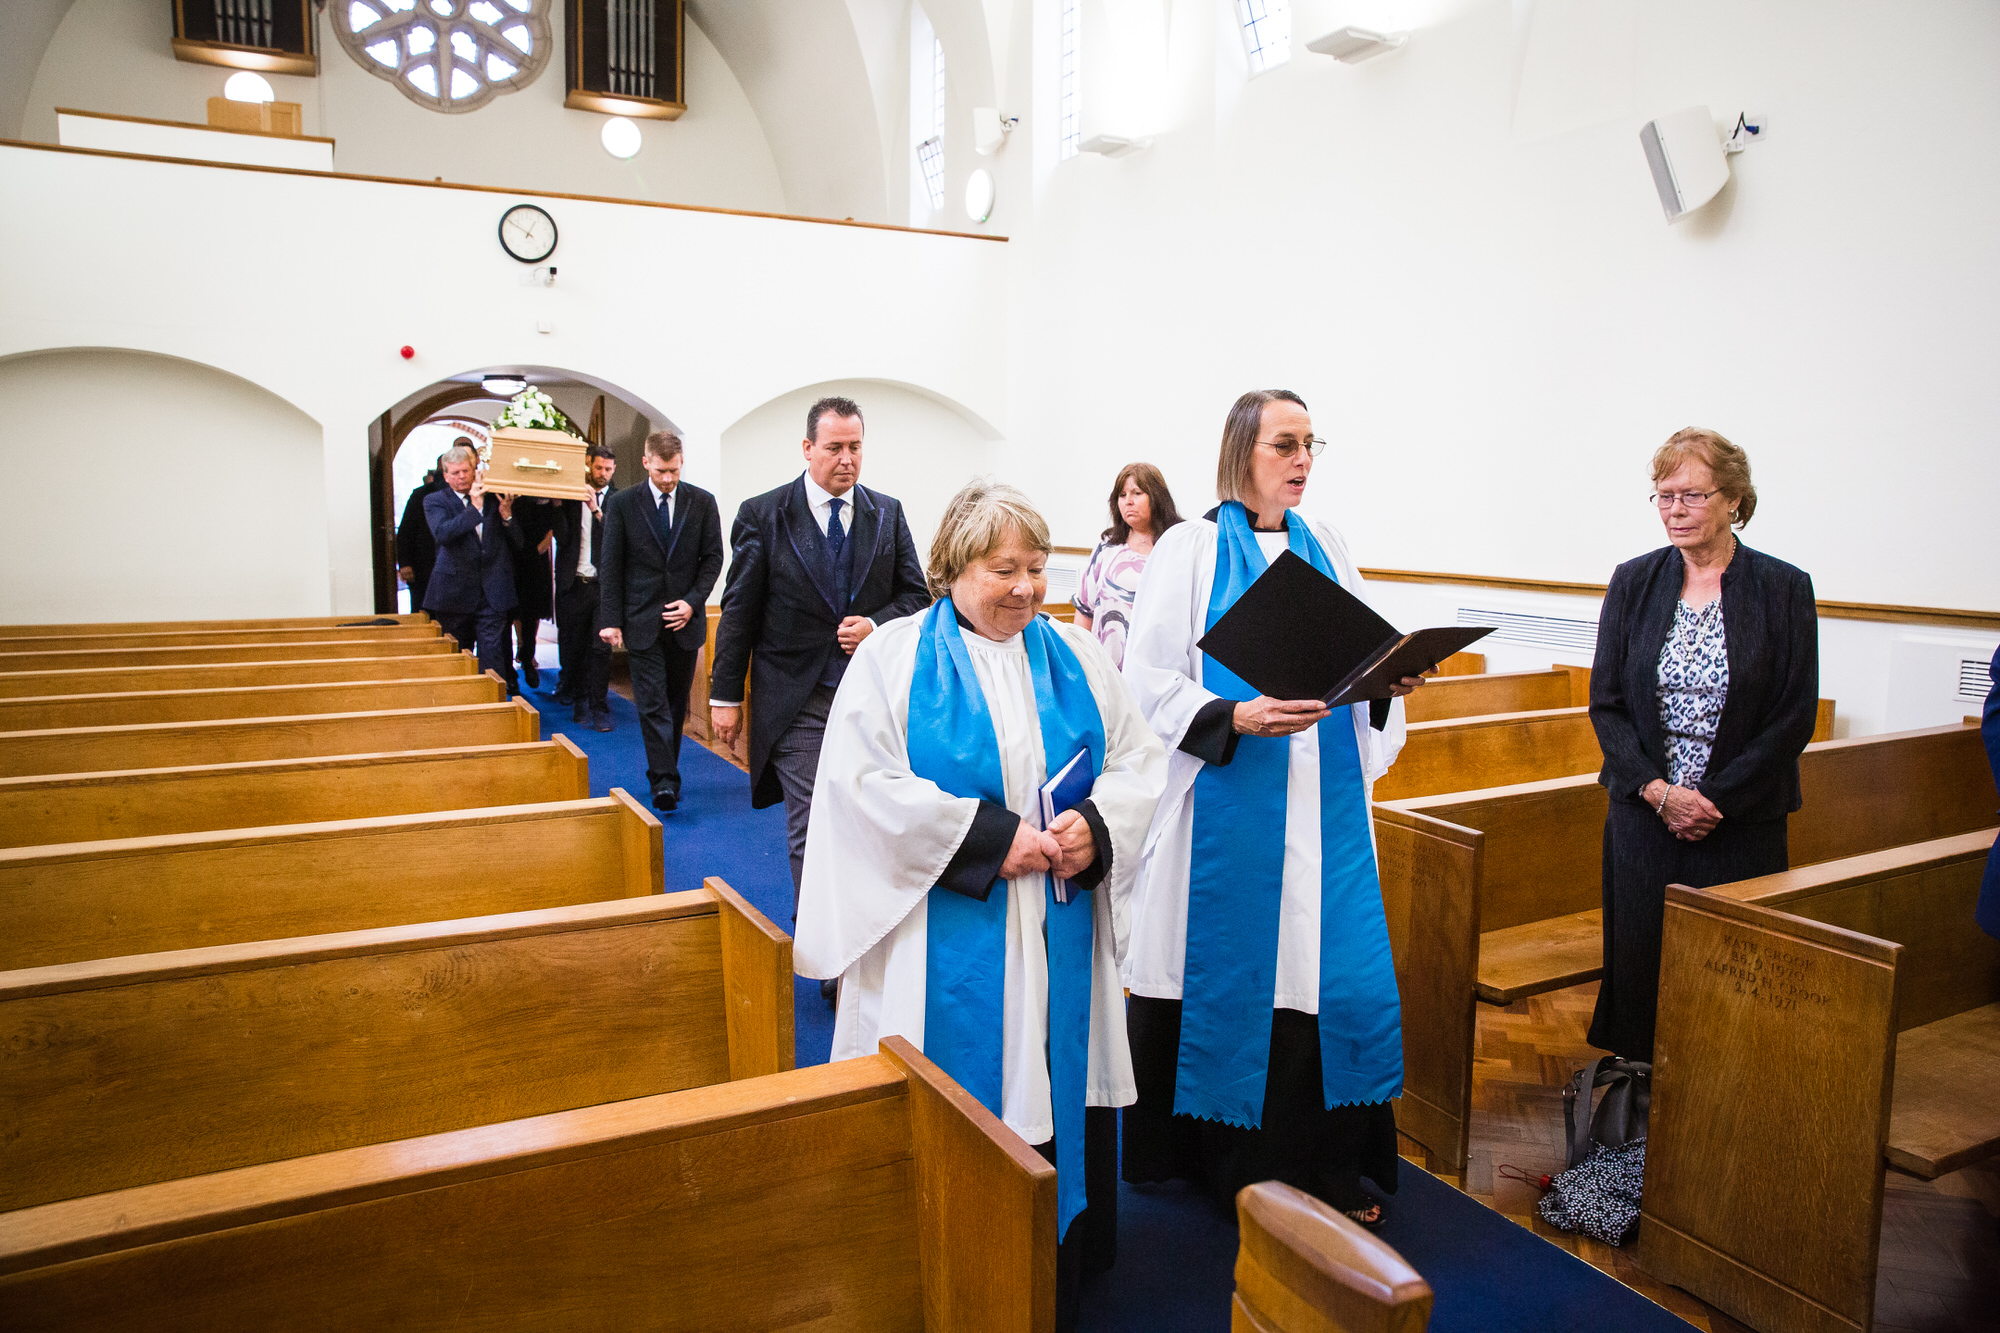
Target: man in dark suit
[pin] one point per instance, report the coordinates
(416, 552)
(662, 553)
(817, 564)
(471, 591)
(586, 658)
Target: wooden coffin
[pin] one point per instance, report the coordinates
(548, 463)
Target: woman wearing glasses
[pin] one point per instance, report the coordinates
(1703, 694)
(1265, 1027)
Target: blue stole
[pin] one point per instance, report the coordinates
(953, 743)
(1235, 887)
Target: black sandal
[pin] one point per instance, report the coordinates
(1355, 1203)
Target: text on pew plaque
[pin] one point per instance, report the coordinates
(1767, 974)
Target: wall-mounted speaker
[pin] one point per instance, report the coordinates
(1685, 154)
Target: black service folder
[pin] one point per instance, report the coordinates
(1297, 634)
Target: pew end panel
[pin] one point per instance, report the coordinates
(1303, 1268)
(1771, 1098)
(985, 1209)
(1823, 721)
(128, 1071)
(1430, 871)
(642, 846)
(756, 986)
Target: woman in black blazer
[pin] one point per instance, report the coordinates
(1703, 694)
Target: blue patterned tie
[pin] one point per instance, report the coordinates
(836, 549)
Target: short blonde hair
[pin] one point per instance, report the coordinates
(975, 522)
(1729, 465)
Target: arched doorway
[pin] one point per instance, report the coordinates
(607, 413)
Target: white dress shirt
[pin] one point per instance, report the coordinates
(586, 552)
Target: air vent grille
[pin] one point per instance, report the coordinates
(1974, 679)
(1558, 632)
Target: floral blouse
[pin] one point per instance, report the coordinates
(1694, 683)
(1105, 593)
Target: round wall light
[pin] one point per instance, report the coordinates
(979, 195)
(621, 137)
(247, 87)
(503, 386)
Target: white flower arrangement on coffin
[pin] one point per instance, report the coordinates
(530, 409)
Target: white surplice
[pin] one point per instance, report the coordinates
(1163, 667)
(880, 836)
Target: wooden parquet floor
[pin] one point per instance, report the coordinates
(1940, 1256)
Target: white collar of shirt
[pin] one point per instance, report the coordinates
(820, 501)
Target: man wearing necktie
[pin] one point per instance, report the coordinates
(586, 659)
(471, 590)
(817, 564)
(662, 555)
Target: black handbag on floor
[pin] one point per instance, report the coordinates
(1620, 1117)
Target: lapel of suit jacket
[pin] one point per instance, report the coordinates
(807, 540)
(864, 539)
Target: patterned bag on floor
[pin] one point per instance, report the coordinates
(1600, 1195)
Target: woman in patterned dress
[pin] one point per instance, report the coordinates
(1142, 508)
(1703, 694)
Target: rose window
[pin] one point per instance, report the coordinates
(448, 55)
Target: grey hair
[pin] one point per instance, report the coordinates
(458, 453)
(975, 522)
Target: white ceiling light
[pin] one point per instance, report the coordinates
(503, 386)
(1112, 145)
(979, 195)
(247, 87)
(620, 137)
(1351, 46)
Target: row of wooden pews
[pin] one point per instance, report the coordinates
(1815, 1027)
(326, 1003)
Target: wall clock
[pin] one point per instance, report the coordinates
(528, 233)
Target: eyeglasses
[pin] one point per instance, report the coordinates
(1287, 448)
(1692, 499)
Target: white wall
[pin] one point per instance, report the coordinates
(143, 488)
(113, 56)
(1456, 255)
(916, 448)
(702, 315)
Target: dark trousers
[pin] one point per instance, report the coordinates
(1092, 1243)
(1642, 857)
(485, 632)
(795, 755)
(662, 675)
(1302, 1142)
(586, 659)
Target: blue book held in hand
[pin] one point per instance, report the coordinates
(1063, 792)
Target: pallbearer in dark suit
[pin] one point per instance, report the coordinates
(416, 551)
(586, 659)
(471, 590)
(817, 564)
(662, 554)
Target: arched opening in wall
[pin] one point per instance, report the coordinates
(920, 447)
(404, 442)
(212, 506)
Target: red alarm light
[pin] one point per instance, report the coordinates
(409, 352)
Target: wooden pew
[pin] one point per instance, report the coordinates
(1474, 695)
(233, 675)
(1460, 664)
(1813, 1026)
(207, 626)
(699, 724)
(94, 658)
(237, 740)
(73, 643)
(139, 707)
(149, 802)
(1496, 895)
(83, 900)
(127, 1071)
(870, 1195)
(1303, 1268)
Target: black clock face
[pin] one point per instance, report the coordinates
(527, 233)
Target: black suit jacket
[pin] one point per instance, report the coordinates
(1771, 626)
(415, 546)
(475, 554)
(779, 621)
(644, 567)
(569, 538)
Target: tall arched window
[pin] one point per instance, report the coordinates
(448, 55)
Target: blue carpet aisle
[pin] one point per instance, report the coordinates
(1176, 1251)
(714, 832)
